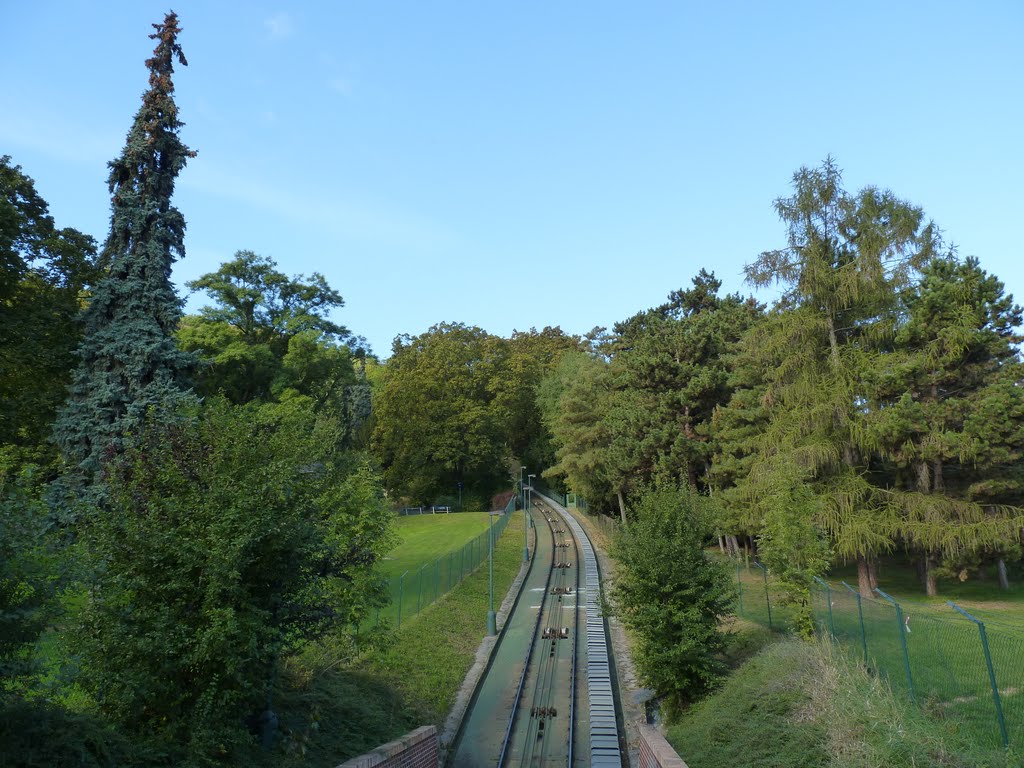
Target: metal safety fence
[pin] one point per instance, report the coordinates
(415, 589)
(957, 667)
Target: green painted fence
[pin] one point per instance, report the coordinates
(411, 592)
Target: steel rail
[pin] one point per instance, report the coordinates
(529, 653)
(534, 754)
(604, 727)
(575, 644)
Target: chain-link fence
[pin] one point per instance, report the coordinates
(414, 590)
(968, 672)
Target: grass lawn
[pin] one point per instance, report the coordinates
(435, 649)
(333, 709)
(425, 538)
(983, 598)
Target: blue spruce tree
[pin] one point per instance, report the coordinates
(129, 364)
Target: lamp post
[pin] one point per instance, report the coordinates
(492, 619)
(526, 546)
(529, 489)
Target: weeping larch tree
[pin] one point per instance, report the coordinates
(846, 260)
(129, 363)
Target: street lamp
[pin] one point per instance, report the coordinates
(529, 494)
(492, 619)
(526, 546)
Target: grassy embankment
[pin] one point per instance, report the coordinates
(794, 704)
(944, 649)
(334, 709)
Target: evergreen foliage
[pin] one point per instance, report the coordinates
(129, 363)
(846, 259)
(952, 418)
(573, 399)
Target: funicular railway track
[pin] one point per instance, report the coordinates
(569, 633)
(547, 697)
(540, 730)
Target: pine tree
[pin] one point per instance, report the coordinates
(129, 363)
(951, 421)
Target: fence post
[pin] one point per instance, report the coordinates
(401, 592)
(767, 599)
(828, 597)
(991, 670)
(903, 642)
(860, 615)
(419, 586)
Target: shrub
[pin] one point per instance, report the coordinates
(671, 595)
(229, 539)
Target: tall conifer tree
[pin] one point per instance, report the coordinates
(846, 259)
(129, 363)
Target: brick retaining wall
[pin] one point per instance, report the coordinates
(417, 749)
(655, 751)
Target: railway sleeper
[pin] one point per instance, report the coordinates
(561, 590)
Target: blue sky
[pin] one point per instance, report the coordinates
(525, 164)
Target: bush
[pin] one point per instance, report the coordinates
(28, 573)
(228, 540)
(671, 595)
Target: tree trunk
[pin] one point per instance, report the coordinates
(873, 572)
(1004, 582)
(922, 572)
(863, 576)
(691, 474)
(721, 544)
(622, 507)
(931, 587)
(734, 545)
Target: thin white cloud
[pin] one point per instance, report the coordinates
(374, 222)
(280, 25)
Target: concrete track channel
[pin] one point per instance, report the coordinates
(546, 698)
